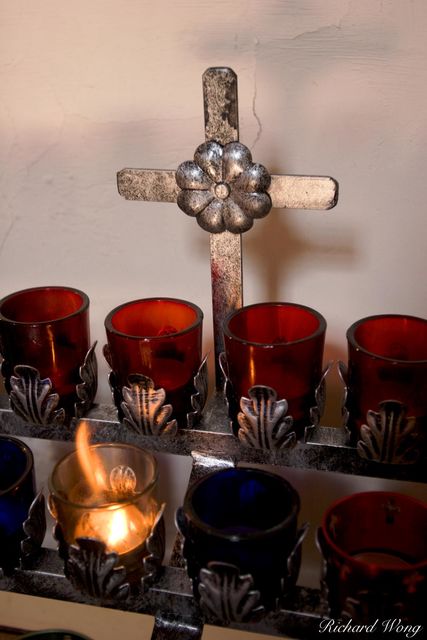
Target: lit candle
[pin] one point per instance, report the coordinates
(122, 529)
(106, 492)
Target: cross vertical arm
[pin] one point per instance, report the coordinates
(221, 125)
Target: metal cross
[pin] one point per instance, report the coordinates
(225, 191)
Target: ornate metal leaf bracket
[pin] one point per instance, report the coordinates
(227, 595)
(232, 406)
(263, 421)
(141, 407)
(5, 372)
(329, 573)
(31, 400)
(144, 410)
(62, 545)
(155, 545)
(94, 572)
(86, 390)
(223, 188)
(293, 562)
(34, 528)
(318, 410)
(343, 374)
(181, 544)
(115, 389)
(370, 605)
(389, 436)
(198, 399)
(391, 509)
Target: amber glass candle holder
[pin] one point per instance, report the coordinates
(241, 541)
(50, 373)
(155, 343)
(387, 387)
(107, 521)
(374, 546)
(278, 345)
(17, 492)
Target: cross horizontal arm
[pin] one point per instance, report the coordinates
(151, 185)
(303, 192)
(290, 192)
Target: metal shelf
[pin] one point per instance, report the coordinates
(212, 445)
(170, 600)
(325, 450)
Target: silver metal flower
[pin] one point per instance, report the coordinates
(223, 188)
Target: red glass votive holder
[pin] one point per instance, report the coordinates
(387, 365)
(279, 345)
(374, 545)
(47, 329)
(160, 338)
(17, 492)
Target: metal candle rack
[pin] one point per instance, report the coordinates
(211, 444)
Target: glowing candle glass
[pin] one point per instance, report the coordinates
(375, 548)
(47, 328)
(279, 345)
(387, 361)
(108, 495)
(160, 338)
(17, 491)
(242, 517)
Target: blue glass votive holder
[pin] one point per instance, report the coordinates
(241, 541)
(17, 492)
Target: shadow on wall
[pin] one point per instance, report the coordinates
(278, 247)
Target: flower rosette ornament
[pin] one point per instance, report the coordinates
(223, 188)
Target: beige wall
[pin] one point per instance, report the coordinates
(326, 87)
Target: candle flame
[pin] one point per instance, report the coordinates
(90, 463)
(120, 527)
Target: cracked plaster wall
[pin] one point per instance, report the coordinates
(326, 87)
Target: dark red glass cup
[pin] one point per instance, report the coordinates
(160, 338)
(375, 549)
(279, 345)
(47, 328)
(387, 361)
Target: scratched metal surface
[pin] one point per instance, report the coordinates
(326, 449)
